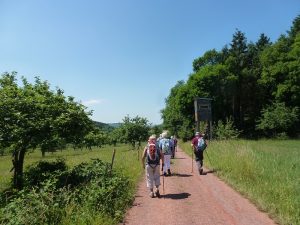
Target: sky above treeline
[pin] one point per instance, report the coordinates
(122, 58)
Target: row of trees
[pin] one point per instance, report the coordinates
(255, 84)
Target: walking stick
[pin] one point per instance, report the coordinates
(162, 170)
(192, 159)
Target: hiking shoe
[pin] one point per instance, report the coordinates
(165, 174)
(201, 171)
(151, 194)
(157, 193)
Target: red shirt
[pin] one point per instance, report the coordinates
(195, 140)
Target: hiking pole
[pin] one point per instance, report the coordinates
(162, 170)
(192, 159)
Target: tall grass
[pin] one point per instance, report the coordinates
(265, 171)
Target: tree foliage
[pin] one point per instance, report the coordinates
(277, 119)
(32, 115)
(134, 130)
(243, 79)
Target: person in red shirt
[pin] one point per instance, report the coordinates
(198, 154)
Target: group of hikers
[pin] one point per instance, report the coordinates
(162, 149)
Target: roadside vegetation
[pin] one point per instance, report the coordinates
(264, 171)
(55, 163)
(72, 187)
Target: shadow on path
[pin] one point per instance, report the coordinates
(181, 175)
(177, 196)
(210, 171)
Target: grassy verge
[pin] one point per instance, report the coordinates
(126, 162)
(266, 171)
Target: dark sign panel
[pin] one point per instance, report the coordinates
(203, 109)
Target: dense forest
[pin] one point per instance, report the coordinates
(254, 85)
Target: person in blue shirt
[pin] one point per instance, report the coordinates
(165, 146)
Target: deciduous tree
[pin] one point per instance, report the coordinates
(33, 115)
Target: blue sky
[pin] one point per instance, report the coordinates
(122, 57)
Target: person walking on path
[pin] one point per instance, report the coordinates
(153, 155)
(165, 146)
(198, 145)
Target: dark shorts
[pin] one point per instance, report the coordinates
(199, 156)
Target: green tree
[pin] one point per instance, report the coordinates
(115, 136)
(156, 129)
(280, 78)
(236, 62)
(277, 119)
(242, 79)
(134, 130)
(295, 29)
(211, 57)
(96, 137)
(32, 115)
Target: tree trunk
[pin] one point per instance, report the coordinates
(43, 153)
(18, 162)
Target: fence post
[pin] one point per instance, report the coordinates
(112, 160)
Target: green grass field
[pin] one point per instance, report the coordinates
(126, 160)
(266, 171)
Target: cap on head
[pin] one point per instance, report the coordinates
(197, 134)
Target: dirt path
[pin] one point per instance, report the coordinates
(193, 199)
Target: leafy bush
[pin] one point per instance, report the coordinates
(85, 172)
(277, 119)
(39, 172)
(37, 206)
(87, 190)
(225, 131)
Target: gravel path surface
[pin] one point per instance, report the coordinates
(189, 198)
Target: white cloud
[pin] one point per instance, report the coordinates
(93, 102)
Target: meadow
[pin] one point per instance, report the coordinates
(267, 172)
(126, 160)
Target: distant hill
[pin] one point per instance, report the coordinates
(115, 125)
(107, 126)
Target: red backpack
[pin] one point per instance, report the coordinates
(152, 152)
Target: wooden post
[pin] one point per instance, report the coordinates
(112, 160)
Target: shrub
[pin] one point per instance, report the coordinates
(225, 131)
(37, 206)
(59, 197)
(277, 119)
(39, 172)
